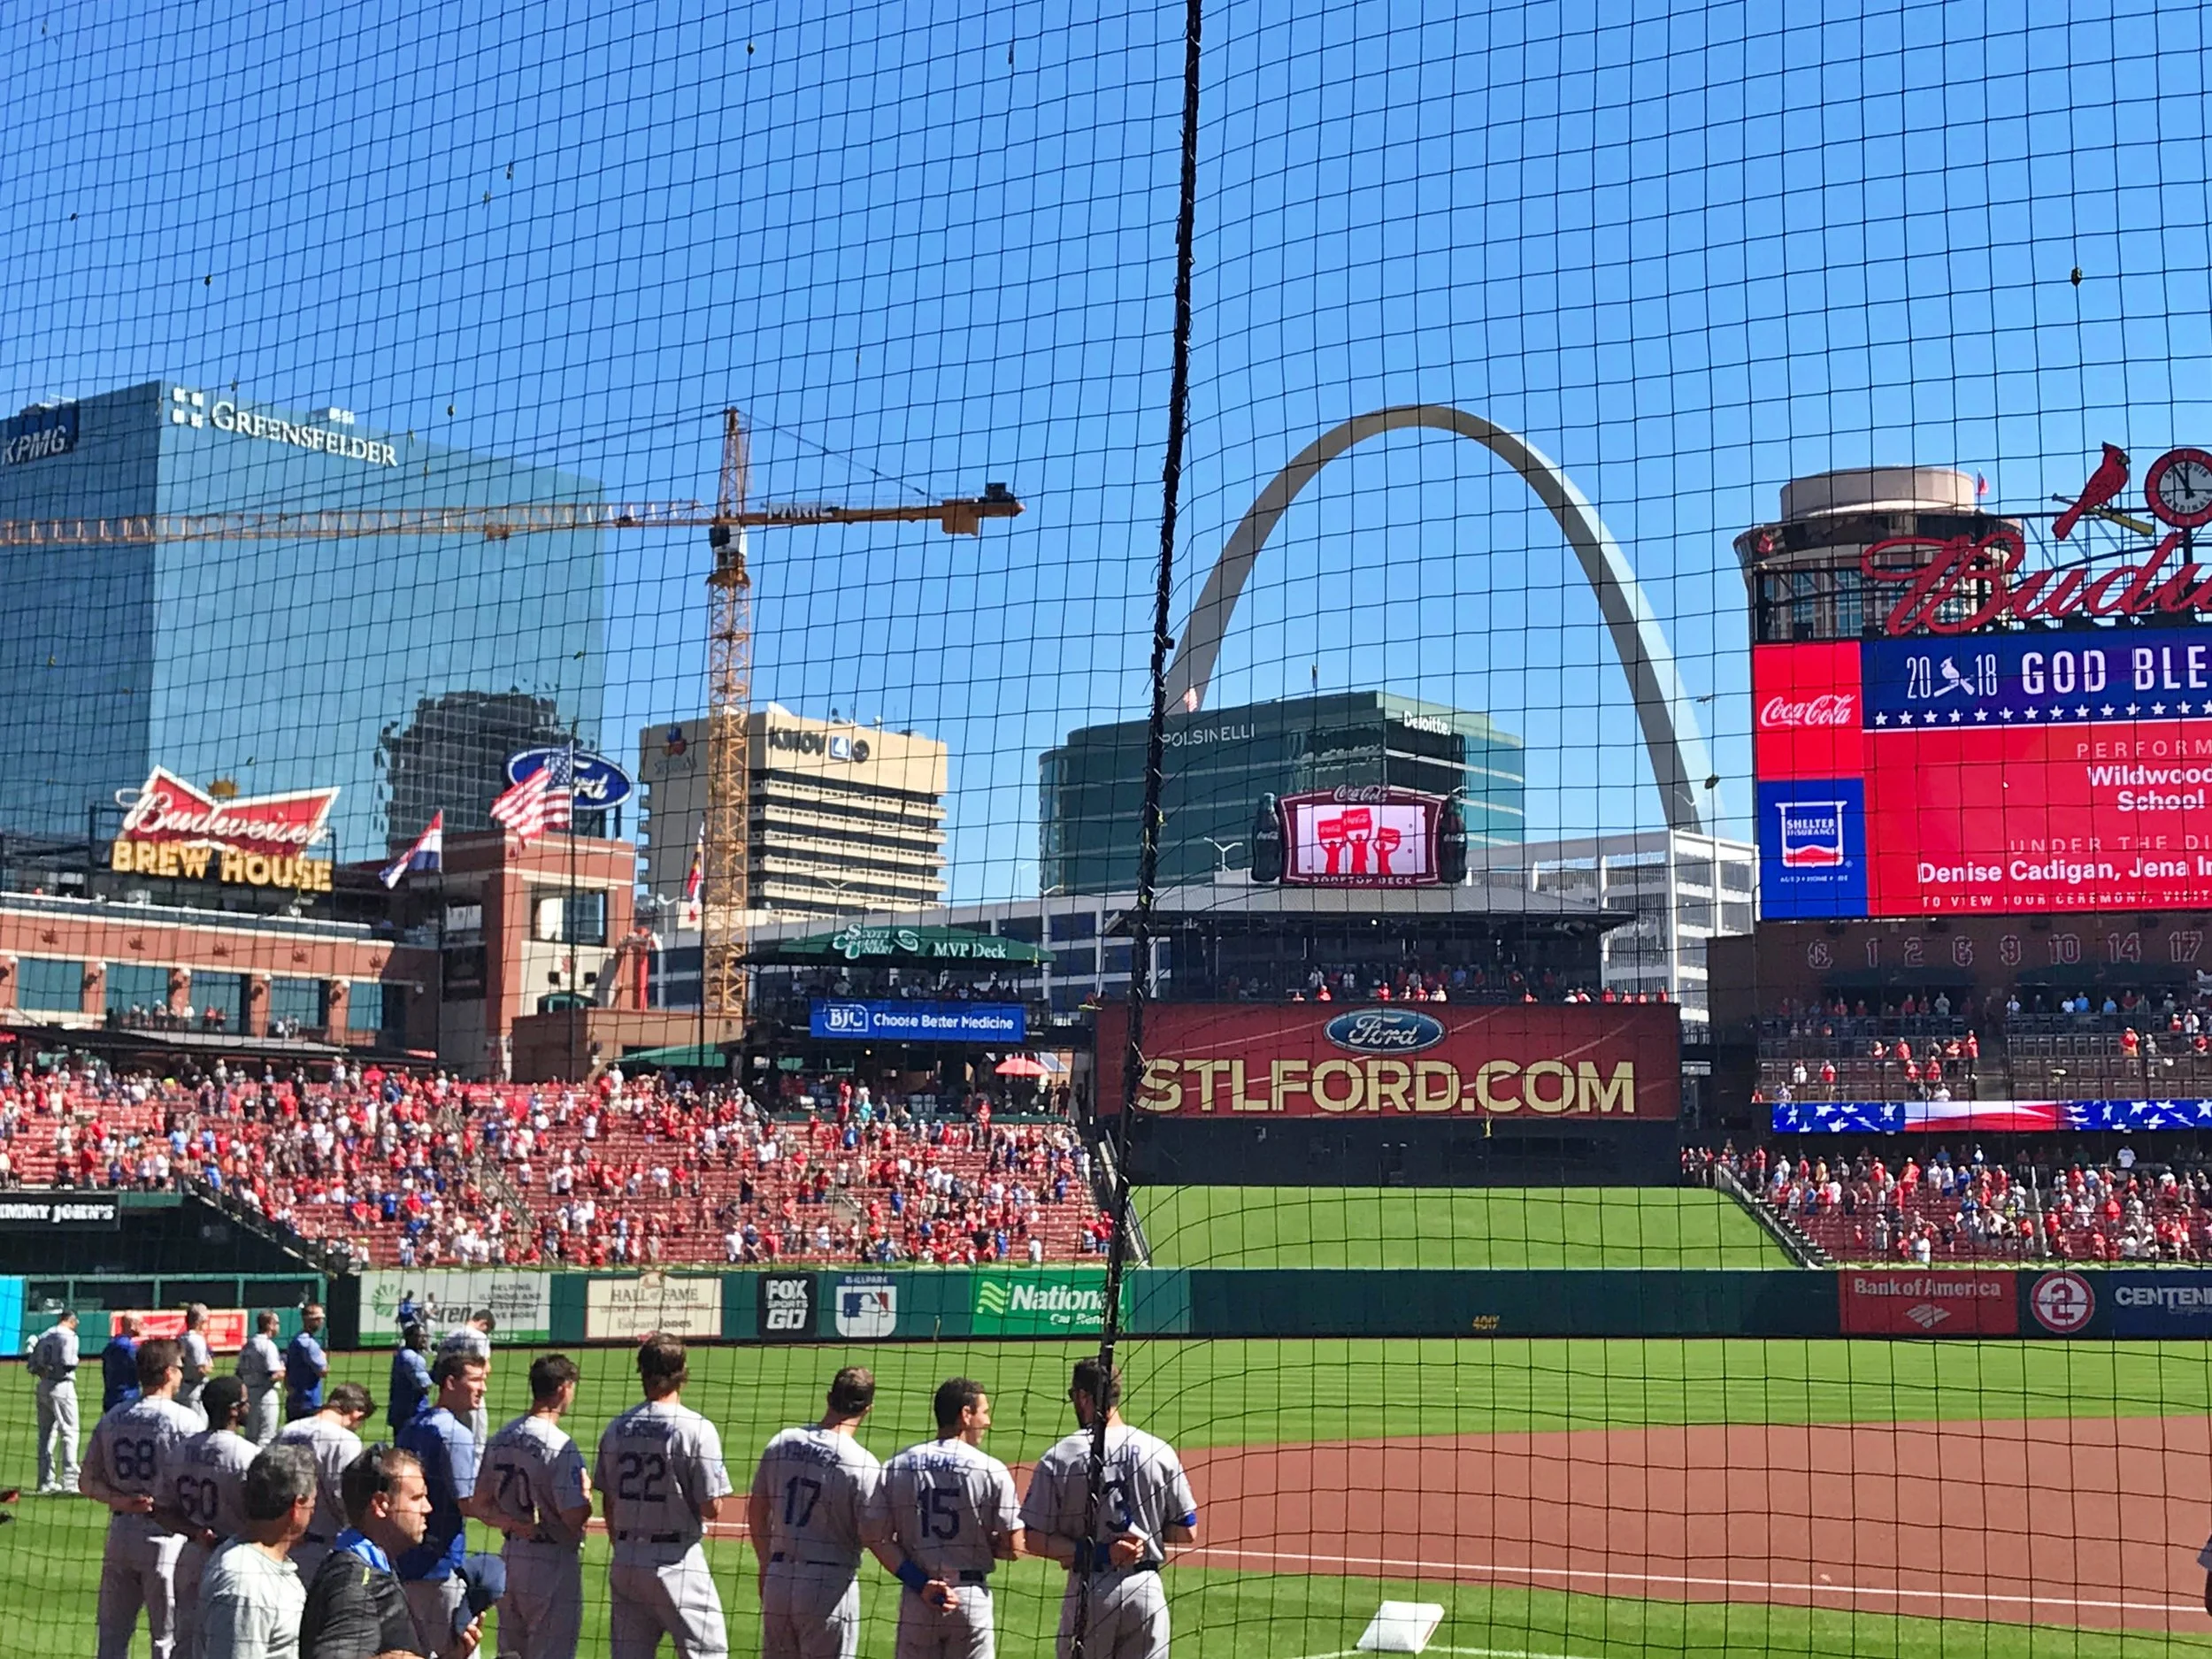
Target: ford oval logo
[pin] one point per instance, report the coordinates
(1385, 1031)
(600, 786)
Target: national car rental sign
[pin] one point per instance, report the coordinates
(1588, 1061)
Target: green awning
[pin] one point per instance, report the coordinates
(939, 947)
(683, 1056)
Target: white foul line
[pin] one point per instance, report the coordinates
(1609, 1574)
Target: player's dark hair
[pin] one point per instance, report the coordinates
(451, 1365)
(483, 1316)
(223, 1399)
(852, 1391)
(267, 1321)
(278, 1477)
(194, 1316)
(371, 1474)
(349, 1397)
(954, 1395)
(550, 1373)
(1102, 1386)
(156, 1355)
(662, 1364)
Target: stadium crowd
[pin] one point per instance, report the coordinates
(400, 1171)
(1946, 1204)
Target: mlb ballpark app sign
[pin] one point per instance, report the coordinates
(1595, 1060)
(1998, 771)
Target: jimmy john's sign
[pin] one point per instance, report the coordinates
(1587, 1062)
(175, 831)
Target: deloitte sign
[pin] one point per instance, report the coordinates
(1041, 1303)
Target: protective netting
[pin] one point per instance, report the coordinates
(1475, 735)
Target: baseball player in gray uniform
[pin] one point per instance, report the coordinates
(532, 1487)
(1145, 1504)
(54, 1364)
(816, 1500)
(953, 1514)
(329, 1436)
(473, 1337)
(199, 1359)
(261, 1367)
(661, 1483)
(121, 1469)
(199, 1494)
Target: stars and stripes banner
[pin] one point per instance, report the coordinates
(427, 853)
(1891, 1117)
(544, 800)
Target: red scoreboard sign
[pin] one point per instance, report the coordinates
(1998, 771)
(1586, 1061)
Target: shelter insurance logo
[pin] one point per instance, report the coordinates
(1811, 834)
(2063, 1303)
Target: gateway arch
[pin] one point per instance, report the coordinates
(1680, 762)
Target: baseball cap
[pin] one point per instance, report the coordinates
(484, 1580)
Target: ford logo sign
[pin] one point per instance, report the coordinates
(1385, 1031)
(600, 785)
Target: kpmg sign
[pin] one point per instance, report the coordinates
(36, 433)
(995, 1023)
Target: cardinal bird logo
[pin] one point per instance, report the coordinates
(2109, 479)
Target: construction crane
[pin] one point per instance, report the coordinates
(726, 898)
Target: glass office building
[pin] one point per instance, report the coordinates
(273, 664)
(1219, 762)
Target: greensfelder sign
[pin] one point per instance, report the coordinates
(1040, 1303)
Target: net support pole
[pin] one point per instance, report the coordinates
(1149, 817)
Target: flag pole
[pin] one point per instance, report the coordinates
(568, 928)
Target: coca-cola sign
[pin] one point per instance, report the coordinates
(168, 809)
(1831, 709)
(1961, 585)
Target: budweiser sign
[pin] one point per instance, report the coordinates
(1961, 585)
(170, 810)
(1833, 709)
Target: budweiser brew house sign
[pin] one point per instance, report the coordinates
(172, 829)
(1971, 754)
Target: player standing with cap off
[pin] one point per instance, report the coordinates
(54, 1364)
(1145, 1504)
(199, 1359)
(473, 1337)
(199, 1494)
(661, 1483)
(953, 1514)
(260, 1367)
(534, 1488)
(331, 1437)
(120, 1469)
(817, 1500)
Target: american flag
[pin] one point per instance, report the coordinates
(544, 800)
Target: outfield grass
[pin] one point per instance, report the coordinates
(1396, 1226)
(1216, 1394)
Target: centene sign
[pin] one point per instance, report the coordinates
(1616, 1061)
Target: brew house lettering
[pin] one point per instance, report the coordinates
(1963, 585)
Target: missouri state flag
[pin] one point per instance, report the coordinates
(427, 853)
(697, 878)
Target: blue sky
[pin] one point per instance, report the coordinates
(1689, 251)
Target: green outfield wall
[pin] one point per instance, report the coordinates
(844, 1305)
